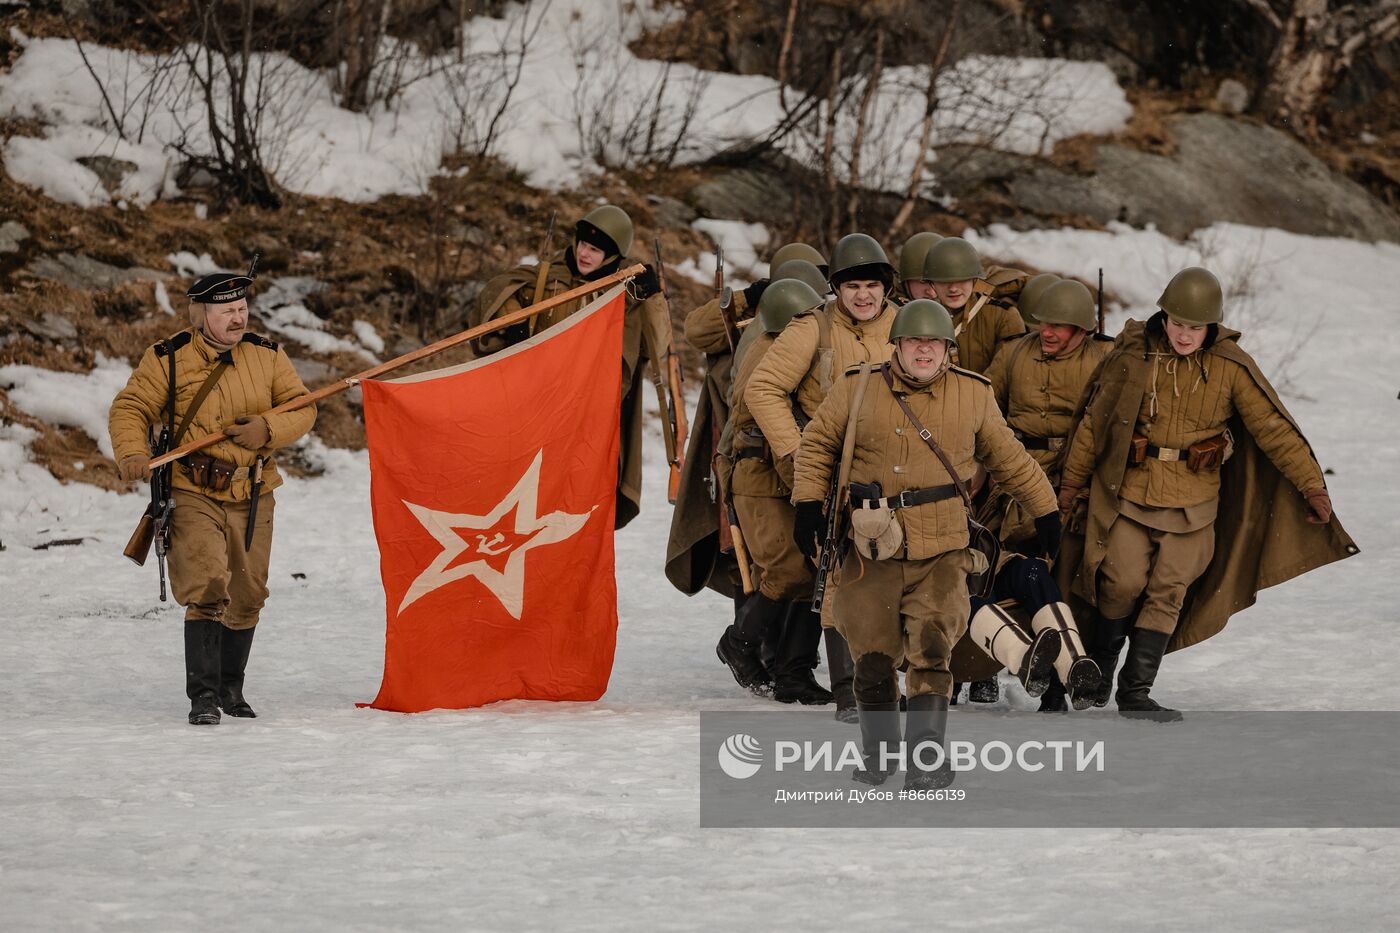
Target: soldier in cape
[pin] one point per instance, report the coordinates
(602, 240)
(898, 438)
(1196, 486)
(798, 371)
(215, 377)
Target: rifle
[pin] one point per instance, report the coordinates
(543, 273)
(447, 343)
(726, 301)
(154, 526)
(1101, 299)
(672, 415)
(831, 541)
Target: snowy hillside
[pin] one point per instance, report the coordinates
(321, 816)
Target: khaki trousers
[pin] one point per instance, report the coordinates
(896, 611)
(783, 573)
(211, 574)
(1158, 566)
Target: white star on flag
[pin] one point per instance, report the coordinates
(530, 530)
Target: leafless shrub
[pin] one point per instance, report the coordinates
(478, 87)
(626, 111)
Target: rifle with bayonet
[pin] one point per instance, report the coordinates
(1101, 299)
(672, 414)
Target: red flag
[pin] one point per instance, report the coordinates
(493, 486)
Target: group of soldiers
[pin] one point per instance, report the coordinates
(884, 461)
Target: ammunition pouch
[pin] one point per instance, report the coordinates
(1137, 453)
(210, 473)
(1208, 454)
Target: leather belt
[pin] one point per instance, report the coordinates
(862, 496)
(1040, 443)
(749, 453)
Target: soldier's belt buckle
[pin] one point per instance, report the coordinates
(903, 501)
(1055, 443)
(1170, 456)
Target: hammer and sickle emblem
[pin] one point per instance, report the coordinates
(485, 546)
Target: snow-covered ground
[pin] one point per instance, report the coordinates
(320, 816)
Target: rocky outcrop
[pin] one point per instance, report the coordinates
(1222, 170)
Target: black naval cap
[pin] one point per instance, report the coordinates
(218, 288)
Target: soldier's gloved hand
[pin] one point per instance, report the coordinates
(1067, 496)
(1319, 507)
(787, 469)
(646, 283)
(808, 528)
(754, 293)
(1048, 529)
(250, 431)
(132, 468)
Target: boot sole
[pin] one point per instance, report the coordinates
(204, 720)
(1085, 682)
(849, 715)
(1040, 672)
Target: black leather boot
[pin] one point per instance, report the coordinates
(797, 655)
(843, 675)
(236, 645)
(879, 742)
(1107, 643)
(1145, 651)
(926, 723)
(740, 645)
(203, 638)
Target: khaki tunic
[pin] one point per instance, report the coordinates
(261, 378)
(212, 574)
(794, 367)
(1190, 399)
(960, 412)
(913, 607)
(645, 336)
(979, 341)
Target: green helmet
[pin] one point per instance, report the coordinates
(923, 317)
(952, 259)
(1193, 296)
(793, 251)
(856, 251)
(782, 301)
(1067, 302)
(610, 220)
(913, 253)
(1031, 292)
(803, 271)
